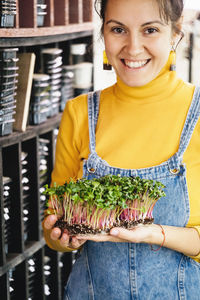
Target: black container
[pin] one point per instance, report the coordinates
(9, 71)
(38, 116)
(40, 83)
(37, 98)
(9, 109)
(55, 65)
(7, 117)
(8, 63)
(8, 53)
(51, 54)
(7, 99)
(41, 13)
(53, 71)
(55, 76)
(8, 78)
(8, 12)
(7, 92)
(52, 65)
(41, 18)
(8, 85)
(6, 128)
(39, 79)
(77, 52)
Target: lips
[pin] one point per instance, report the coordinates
(135, 64)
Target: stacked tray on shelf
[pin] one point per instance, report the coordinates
(67, 90)
(7, 13)
(40, 106)
(7, 186)
(8, 81)
(44, 154)
(26, 193)
(41, 13)
(52, 65)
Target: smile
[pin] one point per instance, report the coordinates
(135, 64)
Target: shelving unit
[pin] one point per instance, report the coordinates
(28, 268)
(65, 19)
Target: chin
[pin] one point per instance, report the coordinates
(135, 83)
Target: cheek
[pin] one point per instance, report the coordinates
(161, 50)
(112, 51)
(113, 46)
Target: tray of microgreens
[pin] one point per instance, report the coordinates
(97, 205)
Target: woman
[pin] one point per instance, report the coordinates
(146, 125)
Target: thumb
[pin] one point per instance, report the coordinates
(122, 233)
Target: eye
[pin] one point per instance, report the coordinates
(118, 30)
(150, 30)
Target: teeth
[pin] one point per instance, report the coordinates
(135, 64)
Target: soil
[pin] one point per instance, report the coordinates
(77, 229)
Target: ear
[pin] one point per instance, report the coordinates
(179, 23)
(178, 34)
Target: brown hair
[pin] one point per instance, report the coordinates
(170, 10)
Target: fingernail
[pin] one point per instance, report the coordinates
(114, 232)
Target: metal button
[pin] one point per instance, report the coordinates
(92, 170)
(174, 171)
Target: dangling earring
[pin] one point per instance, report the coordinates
(173, 53)
(106, 65)
(173, 57)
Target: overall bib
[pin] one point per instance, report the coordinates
(127, 271)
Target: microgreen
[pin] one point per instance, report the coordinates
(104, 202)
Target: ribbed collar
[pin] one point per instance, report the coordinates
(158, 89)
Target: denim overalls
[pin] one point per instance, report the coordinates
(125, 271)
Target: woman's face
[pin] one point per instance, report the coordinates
(137, 40)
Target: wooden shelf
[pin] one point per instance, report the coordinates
(30, 132)
(65, 19)
(42, 36)
(44, 31)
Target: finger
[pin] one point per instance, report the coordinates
(64, 239)
(50, 221)
(75, 243)
(102, 238)
(122, 233)
(55, 233)
(93, 237)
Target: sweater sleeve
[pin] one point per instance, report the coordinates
(67, 157)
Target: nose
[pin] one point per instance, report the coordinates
(134, 44)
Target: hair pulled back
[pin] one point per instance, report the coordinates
(170, 10)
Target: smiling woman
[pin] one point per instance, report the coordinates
(144, 126)
(134, 35)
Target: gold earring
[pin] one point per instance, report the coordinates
(106, 64)
(173, 59)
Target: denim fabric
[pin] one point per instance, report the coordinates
(125, 271)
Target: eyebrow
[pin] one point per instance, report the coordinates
(145, 24)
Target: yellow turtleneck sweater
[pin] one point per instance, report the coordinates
(138, 127)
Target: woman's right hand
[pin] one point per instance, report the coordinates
(57, 240)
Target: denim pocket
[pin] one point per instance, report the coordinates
(79, 286)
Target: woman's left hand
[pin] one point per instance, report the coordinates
(138, 234)
(181, 239)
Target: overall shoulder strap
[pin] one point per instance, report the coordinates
(190, 123)
(93, 113)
